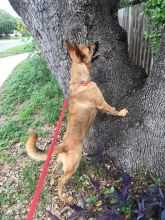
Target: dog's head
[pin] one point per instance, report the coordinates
(83, 53)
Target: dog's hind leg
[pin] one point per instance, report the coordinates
(71, 161)
(61, 183)
(54, 170)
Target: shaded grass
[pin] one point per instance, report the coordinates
(9, 194)
(29, 177)
(31, 98)
(24, 48)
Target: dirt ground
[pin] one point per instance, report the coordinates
(12, 172)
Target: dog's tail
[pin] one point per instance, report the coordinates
(37, 153)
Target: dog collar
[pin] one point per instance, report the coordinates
(81, 83)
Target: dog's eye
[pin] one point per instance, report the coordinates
(89, 48)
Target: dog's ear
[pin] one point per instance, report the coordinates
(74, 51)
(70, 45)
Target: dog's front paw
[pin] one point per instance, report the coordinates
(123, 112)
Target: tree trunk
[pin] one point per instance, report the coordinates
(136, 141)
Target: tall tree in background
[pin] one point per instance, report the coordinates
(7, 23)
(138, 140)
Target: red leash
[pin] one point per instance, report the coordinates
(46, 164)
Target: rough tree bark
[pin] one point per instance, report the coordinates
(134, 142)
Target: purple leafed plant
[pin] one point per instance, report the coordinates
(95, 184)
(79, 212)
(53, 217)
(112, 214)
(118, 201)
(152, 199)
(126, 179)
(141, 210)
(99, 154)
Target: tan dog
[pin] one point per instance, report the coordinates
(85, 99)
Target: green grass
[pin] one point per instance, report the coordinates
(16, 50)
(30, 176)
(6, 158)
(7, 218)
(10, 37)
(9, 194)
(30, 98)
(92, 199)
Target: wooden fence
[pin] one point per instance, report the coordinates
(135, 25)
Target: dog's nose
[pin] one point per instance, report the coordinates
(97, 43)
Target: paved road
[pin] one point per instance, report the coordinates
(7, 64)
(6, 44)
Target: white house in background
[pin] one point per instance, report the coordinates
(16, 33)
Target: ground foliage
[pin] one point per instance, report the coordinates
(31, 90)
(20, 49)
(155, 10)
(120, 200)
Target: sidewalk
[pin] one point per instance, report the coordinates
(7, 64)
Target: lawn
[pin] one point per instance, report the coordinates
(23, 48)
(30, 99)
